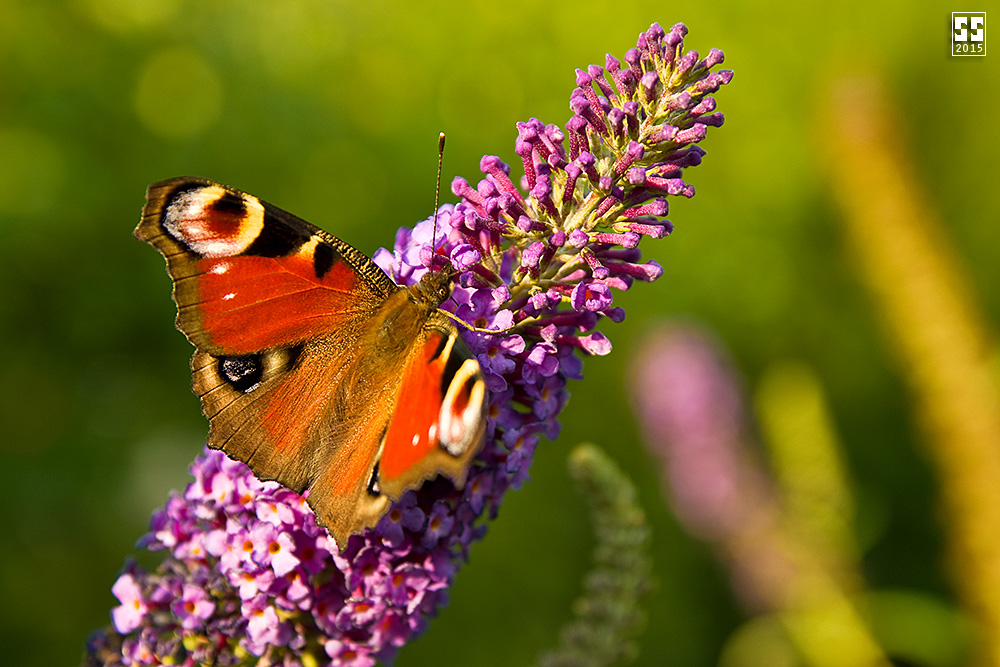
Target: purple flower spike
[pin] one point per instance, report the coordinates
(248, 577)
(598, 270)
(712, 81)
(689, 403)
(681, 101)
(578, 238)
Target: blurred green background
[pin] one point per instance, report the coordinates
(331, 110)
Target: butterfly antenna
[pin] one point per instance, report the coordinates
(471, 327)
(437, 197)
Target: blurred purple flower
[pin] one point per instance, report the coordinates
(689, 403)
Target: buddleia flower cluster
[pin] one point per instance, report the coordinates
(248, 577)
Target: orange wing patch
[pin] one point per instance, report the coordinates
(248, 303)
(439, 419)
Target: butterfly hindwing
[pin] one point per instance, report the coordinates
(294, 429)
(439, 421)
(311, 365)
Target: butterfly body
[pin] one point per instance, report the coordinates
(312, 366)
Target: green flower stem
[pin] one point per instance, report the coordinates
(608, 612)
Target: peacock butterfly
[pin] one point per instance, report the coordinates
(312, 366)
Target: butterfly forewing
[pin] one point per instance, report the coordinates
(248, 275)
(312, 366)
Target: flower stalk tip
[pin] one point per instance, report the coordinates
(608, 612)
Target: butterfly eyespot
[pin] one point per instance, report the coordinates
(463, 397)
(229, 204)
(373, 486)
(463, 410)
(212, 221)
(243, 372)
(452, 365)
